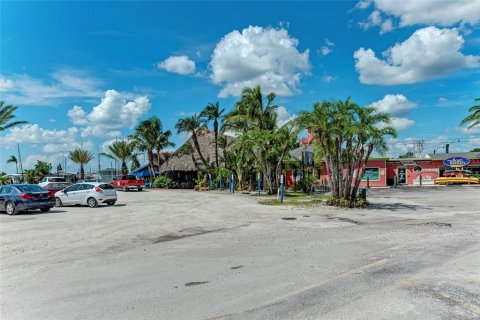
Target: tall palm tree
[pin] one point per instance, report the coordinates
(6, 114)
(122, 151)
(213, 112)
(147, 138)
(192, 125)
(13, 159)
(474, 118)
(252, 111)
(81, 157)
(163, 141)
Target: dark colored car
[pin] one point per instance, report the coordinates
(56, 186)
(18, 197)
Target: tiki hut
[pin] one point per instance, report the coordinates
(184, 165)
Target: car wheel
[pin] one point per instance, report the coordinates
(92, 203)
(125, 189)
(58, 202)
(140, 189)
(45, 209)
(10, 208)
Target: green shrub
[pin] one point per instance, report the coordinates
(306, 183)
(163, 182)
(345, 203)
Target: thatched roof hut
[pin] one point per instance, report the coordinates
(181, 162)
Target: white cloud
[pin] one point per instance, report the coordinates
(6, 84)
(398, 106)
(325, 50)
(110, 116)
(178, 64)
(328, 78)
(258, 56)
(284, 116)
(442, 100)
(32, 159)
(431, 12)
(402, 123)
(395, 104)
(33, 133)
(65, 147)
(64, 83)
(429, 53)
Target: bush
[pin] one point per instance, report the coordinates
(163, 182)
(306, 183)
(345, 203)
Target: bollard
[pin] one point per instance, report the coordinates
(395, 181)
(420, 180)
(233, 184)
(368, 182)
(281, 188)
(209, 182)
(221, 182)
(259, 183)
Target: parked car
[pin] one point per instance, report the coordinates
(47, 180)
(90, 193)
(56, 186)
(127, 182)
(19, 197)
(89, 180)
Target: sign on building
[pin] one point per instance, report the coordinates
(456, 162)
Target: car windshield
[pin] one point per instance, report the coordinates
(106, 186)
(56, 179)
(130, 177)
(30, 188)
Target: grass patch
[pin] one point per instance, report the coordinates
(295, 202)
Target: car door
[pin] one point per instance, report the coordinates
(85, 192)
(4, 194)
(70, 194)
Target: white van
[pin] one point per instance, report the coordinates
(47, 180)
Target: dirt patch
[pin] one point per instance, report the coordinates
(237, 267)
(289, 218)
(346, 220)
(432, 224)
(195, 283)
(173, 236)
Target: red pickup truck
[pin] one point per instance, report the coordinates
(127, 182)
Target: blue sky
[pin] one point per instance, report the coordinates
(84, 73)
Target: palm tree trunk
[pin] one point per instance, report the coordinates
(150, 163)
(215, 129)
(197, 146)
(124, 167)
(82, 171)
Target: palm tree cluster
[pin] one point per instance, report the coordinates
(473, 119)
(347, 134)
(6, 115)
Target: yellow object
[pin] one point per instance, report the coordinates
(457, 180)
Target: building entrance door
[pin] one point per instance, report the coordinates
(402, 175)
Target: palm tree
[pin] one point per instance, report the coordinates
(347, 134)
(192, 125)
(252, 112)
(474, 118)
(213, 112)
(122, 151)
(81, 157)
(163, 141)
(148, 137)
(6, 114)
(187, 149)
(13, 159)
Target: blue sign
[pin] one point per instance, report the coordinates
(456, 162)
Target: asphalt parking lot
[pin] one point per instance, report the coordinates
(165, 254)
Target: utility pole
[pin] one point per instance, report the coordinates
(20, 160)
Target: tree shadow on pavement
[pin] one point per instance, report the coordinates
(397, 206)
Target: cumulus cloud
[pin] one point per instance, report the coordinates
(112, 114)
(328, 78)
(33, 133)
(390, 14)
(398, 106)
(258, 56)
(32, 159)
(64, 83)
(178, 64)
(327, 48)
(428, 53)
(284, 116)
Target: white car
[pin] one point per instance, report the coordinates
(88, 193)
(47, 180)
